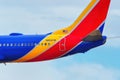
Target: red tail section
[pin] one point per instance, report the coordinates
(93, 20)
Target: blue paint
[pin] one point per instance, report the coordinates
(85, 46)
(1, 58)
(102, 27)
(11, 53)
(15, 34)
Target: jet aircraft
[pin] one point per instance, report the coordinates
(82, 35)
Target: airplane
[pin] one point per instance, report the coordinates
(81, 36)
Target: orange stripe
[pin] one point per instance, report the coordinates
(79, 19)
(82, 30)
(58, 35)
(39, 49)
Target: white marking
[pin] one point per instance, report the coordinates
(71, 49)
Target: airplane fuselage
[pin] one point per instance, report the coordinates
(84, 34)
(16, 46)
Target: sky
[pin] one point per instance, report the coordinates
(44, 16)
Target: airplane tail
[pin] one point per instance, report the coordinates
(95, 35)
(91, 20)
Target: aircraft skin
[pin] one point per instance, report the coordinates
(73, 39)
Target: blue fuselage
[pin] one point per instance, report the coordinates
(13, 47)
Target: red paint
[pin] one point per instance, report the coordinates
(90, 23)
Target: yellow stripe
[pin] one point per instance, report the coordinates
(83, 14)
(57, 35)
(70, 28)
(39, 49)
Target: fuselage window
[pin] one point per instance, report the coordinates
(18, 44)
(7, 45)
(29, 44)
(11, 44)
(15, 44)
(48, 44)
(41, 44)
(32, 44)
(35, 44)
(25, 44)
(45, 44)
(0, 45)
(4, 44)
(22, 44)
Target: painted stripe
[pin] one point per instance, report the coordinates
(79, 43)
(55, 50)
(85, 46)
(81, 29)
(101, 28)
(85, 12)
(18, 46)
(105, 5)
(71, 49)
(40, 49)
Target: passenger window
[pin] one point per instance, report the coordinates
(25, 44)
(48, 44)
(28, 44)
(7, 44)
(22, 44)
(11, 44)
(41, 44)
(18, 44)
(0, 45)
(4, 44)
(14, 44)
(45, 44)
(35, 44)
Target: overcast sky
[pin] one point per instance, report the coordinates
(44, 16)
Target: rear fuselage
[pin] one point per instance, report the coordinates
(84, 34)
(14, 47)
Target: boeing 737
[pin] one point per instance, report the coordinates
(84, 34)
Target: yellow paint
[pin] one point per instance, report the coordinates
(58, 35)
(39, 49)
(70, 28)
